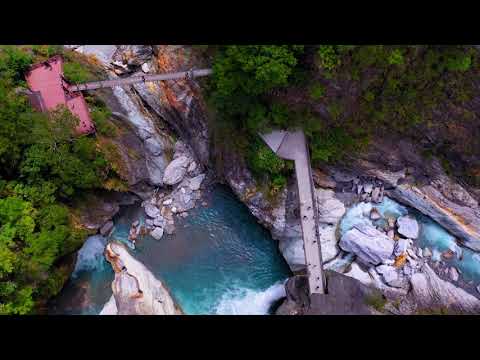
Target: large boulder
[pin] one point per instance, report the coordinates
(369, 244)
(151, 210)
(196, 182)
(408, 227)
(176, 170)
(431, 293)
(135, 289)
(157, 233)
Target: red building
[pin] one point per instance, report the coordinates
(50, 89)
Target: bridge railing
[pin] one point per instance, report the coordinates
(139, 79)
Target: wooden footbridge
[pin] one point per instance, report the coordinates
(191, 74)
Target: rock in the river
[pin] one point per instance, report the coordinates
(478, 289)
(367, 188)
(453, 274)
(431, 292)
(408, 226)
(375, 214)
(157, 233)
(105, 229)
(391, 234)
(427, 252)
(369, 244)
(151, 210)
(376, 195)
(168, 202)
(136, 290)
(176, 170)
(196, 182)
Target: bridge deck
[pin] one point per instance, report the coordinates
(138, 79)
(293, 146)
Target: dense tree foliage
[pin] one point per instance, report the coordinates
(341, 95)
(243, 78)
(45, 165)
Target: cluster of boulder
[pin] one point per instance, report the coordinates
(368, 189)
(389, 258)
(183, 175)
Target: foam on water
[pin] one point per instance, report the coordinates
(243, 301)
(90, 256)
(218, 261)
(356, 215)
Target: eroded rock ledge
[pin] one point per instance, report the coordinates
(136, 291)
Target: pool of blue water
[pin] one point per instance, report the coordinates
(218, 261)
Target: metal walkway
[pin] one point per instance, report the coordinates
(293, 146)
(191, 74)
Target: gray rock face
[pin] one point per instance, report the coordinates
(431, 292)
(369, 244)
(391, 276)
(157, 233)
(176, 170)
(408, 227)
(105, 229)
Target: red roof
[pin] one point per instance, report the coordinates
(47, 80)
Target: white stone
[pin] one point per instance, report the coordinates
(151, 210)
(389, 274)
(401, 246)
(196, 182)
(176, 170)
(427, 252)
(174, 209)
(357, 273)
(145, 68)
(168, 202)
(369, 244)
(157, 233)
(408, 227)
